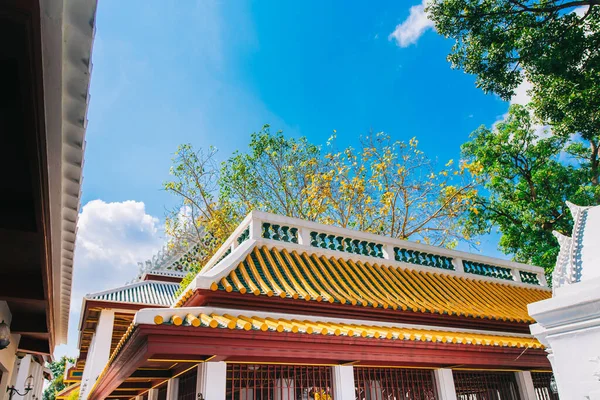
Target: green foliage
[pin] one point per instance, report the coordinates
(58, 371)
(74, 395)
(527, 185)
(555, 46)
(384, 187)
(271, 176)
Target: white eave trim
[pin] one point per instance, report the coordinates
(68, 29)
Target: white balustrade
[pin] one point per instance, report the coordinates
(279, 230)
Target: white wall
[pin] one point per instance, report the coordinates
(8, 355)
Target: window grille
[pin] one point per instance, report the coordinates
(162, 392)
(278, 382)
(480, 385)
(187, 385)
(541, 383)
(394, 384)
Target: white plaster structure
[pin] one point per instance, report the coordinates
(98, 353)
(233, 251)
(569, 322)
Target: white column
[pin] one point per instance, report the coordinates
(153, 394)
(173, 389)
(36, 371)
(23, 373)
(343, 382)
(212, 380)
(99, 351)
(444, 383)
(388, 252)
(304, 236)
(525, 384)
(85, 377)
(458, 265)
(255, 229)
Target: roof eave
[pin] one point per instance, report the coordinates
(68, 29)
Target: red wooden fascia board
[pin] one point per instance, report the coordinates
(202, 297)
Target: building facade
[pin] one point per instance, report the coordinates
(290, 309)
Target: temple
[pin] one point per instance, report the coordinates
(290, 309)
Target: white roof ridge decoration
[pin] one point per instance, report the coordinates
(579, 254)
(170, 260)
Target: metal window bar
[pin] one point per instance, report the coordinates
(541, 384)
(278, 382)
(187, 385)
(394, 384)
(162, 392)
(481, 385)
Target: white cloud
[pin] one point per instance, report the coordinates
(580, 11)
(111, 239)
(521, 96)
(413, 27)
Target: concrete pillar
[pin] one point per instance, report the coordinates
(173, 389)
(153, 394)
(458, 265)
(388, 252)
(85, 377)
(98, 356)
(304, 236)
(255, 229)
(212, 380)
(343, 382)
(23, 373)
(525, 385)
(444, 383)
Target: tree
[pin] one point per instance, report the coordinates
(200, 218)
(273, 175)
(58, 371)
(385, 187)
(392, 188)
(527, 185)
(553, 44)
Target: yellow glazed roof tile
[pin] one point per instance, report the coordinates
(274, 272)
(318, 327)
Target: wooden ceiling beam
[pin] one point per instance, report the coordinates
(24, 323)
(135, 385)
(151, 374)
(34, 346)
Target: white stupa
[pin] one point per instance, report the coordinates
(569, 323)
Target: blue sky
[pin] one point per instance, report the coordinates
(211, 72)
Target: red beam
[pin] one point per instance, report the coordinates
(149, 341)
(247, 301)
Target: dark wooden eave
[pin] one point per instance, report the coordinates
(25, 278)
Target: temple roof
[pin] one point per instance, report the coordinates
(269, 271)
(145, 292)
(311, 326)
(67, 391)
